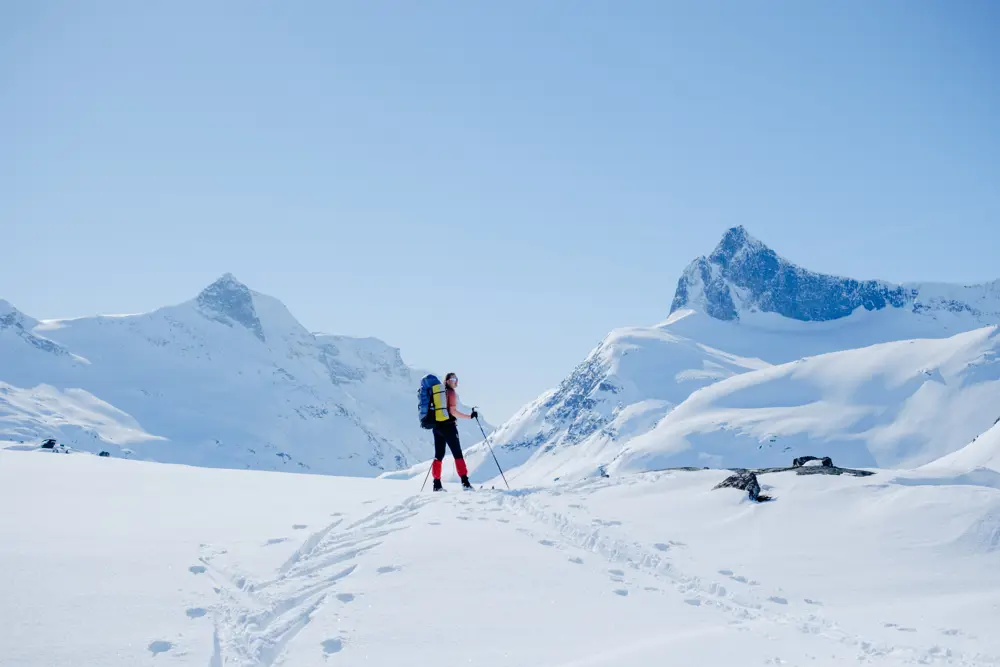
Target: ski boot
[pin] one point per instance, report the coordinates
(437, 485)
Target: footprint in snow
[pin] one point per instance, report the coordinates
(577, 507)
(778, 600)
(463, 518)
(674, 543)
(504, 520)
(651, 588)
(345, 597)
(622, 592)
(617, 573)
(275, 540)
(952, 632)
(890, 625)
(814, 602)
(386, 569)
(433, 523)
(660, 546)
(160, 646)
(197, 569)
(547, 543)
(739, 578)
(727, 573)
(578, 561)
(694, 602)
(907, 629)
(332, 646)
(299, 526)
(195, 612)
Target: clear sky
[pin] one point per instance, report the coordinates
(491, 187)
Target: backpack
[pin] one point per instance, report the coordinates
(432, 405)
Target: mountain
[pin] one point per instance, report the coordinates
(742, 275)
(745, 310)
(228, 379)
(890, 405)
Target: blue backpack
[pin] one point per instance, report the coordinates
(432, 405)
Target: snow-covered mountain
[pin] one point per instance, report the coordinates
(228, 379)
(742, 275)
(743, 309)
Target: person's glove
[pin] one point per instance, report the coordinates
(474, 415)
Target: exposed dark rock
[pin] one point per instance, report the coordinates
(227, 300)
(771, 284)
(802, 460)
(743, 480)
(826, 468)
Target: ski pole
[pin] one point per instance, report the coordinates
(487, 441)
(425, 478)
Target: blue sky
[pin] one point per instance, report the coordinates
(491, 187)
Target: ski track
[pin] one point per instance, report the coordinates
(554, 529)
(255, 621)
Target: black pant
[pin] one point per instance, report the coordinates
(446, 433)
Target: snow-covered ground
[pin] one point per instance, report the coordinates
(109, 562)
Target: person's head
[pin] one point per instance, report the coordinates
(451, 380)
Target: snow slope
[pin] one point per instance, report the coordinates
(69, 416)
(982, 452)
(976, 464)
(229, 379)
(890, 405)
(244, 568)
(740, 310)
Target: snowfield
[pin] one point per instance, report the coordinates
(109, 562)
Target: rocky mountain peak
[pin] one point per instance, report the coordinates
(229, 301)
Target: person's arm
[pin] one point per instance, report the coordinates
(453, 407)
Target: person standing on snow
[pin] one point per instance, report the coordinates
(446, 433)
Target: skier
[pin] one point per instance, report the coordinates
(446, 433)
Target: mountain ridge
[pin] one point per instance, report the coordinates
(731, 318)
(742, 274)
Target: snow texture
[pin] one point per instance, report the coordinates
(628, 571)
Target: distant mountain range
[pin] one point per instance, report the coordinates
(228, 379)
(761, 360)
